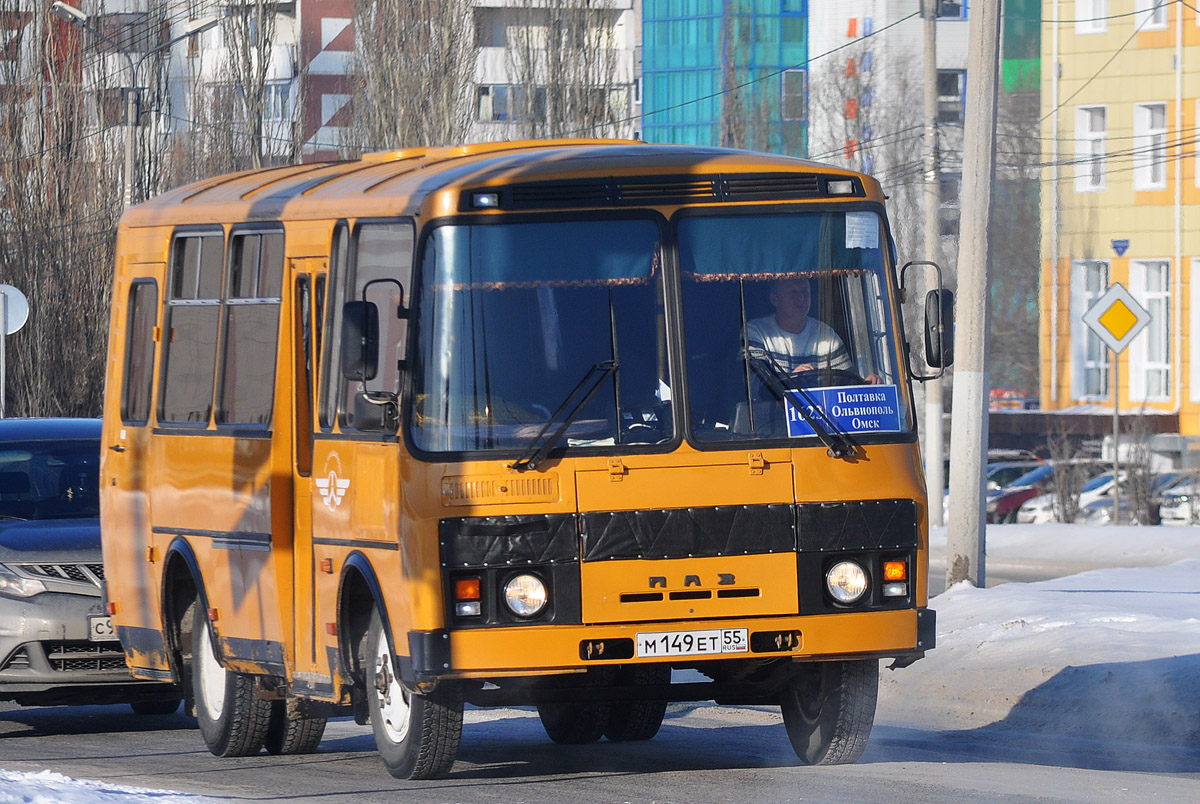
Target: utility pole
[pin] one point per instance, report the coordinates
(968, 440)
(935, 480)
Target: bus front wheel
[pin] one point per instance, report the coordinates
(416, 735)
(638, 720)
(829, 709)
(232, 719)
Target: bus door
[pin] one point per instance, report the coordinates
(355, 492)
(308, 283)
(124, 481)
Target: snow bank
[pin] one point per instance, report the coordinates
(54, 788)
(1110, 655)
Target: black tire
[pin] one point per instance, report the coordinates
(417, 735)
(829, 709)
(294, 729)
(233, 720)
(638, 720)
(578, 723)
(155, 707)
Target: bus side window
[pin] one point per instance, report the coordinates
(251, 328)
(190, 328)
(139, 352)
(381, 275)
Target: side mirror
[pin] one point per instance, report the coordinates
(360, 340)
(939, 328)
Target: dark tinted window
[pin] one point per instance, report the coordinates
(50, 479)
(139, 352)
(251, 328)
(190, 348)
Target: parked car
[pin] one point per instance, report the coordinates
(1003, 503)
(997, 475)
(1180, 505)
(1044, 507)
(1100, 511)
(57, 645)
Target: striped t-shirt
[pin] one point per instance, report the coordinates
(817, 344)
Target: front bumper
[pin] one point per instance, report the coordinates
(521, 651)
(47, 658)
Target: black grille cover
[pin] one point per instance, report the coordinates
(684, 532)
(867, 524)
(484, 541)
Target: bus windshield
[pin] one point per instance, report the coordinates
(519, 321)
(801, 297)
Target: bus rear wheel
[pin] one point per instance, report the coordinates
(232, 719)
(417, 735)
(294, 729)
(829, 709)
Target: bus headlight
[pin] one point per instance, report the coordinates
(525, 595)
(846, 582)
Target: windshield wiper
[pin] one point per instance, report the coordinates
(583, 393)
(837, 442)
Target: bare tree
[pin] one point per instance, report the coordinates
(411, 73)
(566, 70)
(59, 203)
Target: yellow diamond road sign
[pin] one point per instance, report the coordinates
(1116, 317)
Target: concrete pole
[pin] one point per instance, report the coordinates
(935, 480)
(965, 548)
(3, 346)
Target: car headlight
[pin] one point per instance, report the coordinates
(14, 585)
(525, 595)
(846, 582)
(1098, 516)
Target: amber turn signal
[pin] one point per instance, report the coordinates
(466, 589)
(895, 571)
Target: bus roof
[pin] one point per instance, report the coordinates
(403, 182)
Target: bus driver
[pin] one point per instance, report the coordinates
(795, 341)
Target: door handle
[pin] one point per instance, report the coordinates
(117, 447)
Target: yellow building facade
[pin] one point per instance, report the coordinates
(1121, 201)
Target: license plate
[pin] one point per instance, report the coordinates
(692, 643)
(100, 628)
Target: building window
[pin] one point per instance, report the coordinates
(795, 95)
(1090, 16)
(952, 9)
(1150, 359)
(950, 86)
(950, 190)
(277, 96)
(500, 103)
(1089, 354)
(1150, 146)
(1091, 142)
(1153, 14)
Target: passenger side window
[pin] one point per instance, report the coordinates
(251, 328)
(139, 352)
(190, 324)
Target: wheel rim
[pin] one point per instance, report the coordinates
(390, 696)
(212, 677)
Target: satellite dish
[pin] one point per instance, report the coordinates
(16, 307)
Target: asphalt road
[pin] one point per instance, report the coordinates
(703, 754)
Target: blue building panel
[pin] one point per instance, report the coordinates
(705, 58)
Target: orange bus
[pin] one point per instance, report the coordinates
(521, 423)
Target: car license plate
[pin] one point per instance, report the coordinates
(692, 643)
(100, 628)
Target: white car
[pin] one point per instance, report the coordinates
(1180, 506)
(1044, 508)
